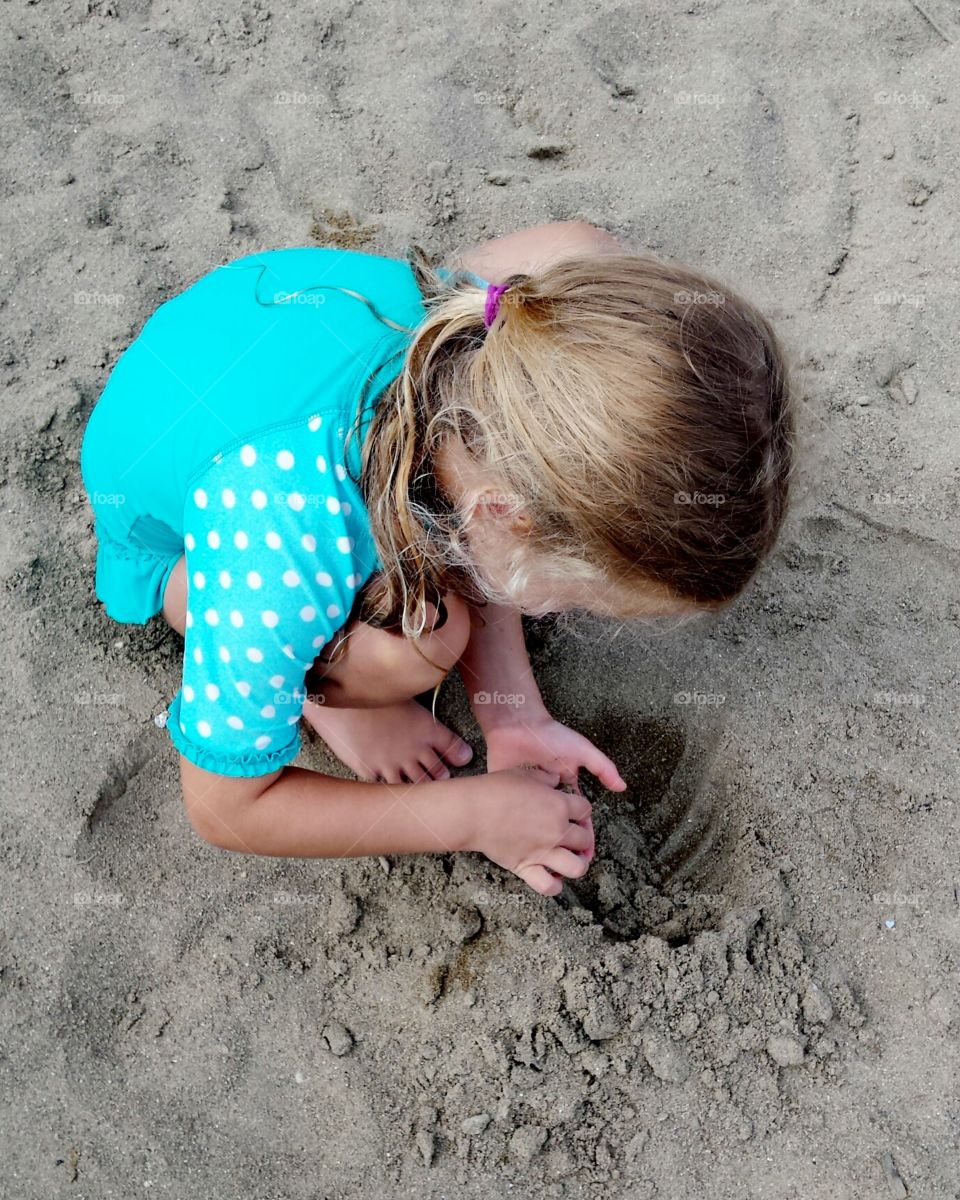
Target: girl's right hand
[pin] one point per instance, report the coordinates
(523, 822)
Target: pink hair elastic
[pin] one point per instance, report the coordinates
(492, 306)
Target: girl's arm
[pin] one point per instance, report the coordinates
(507, 705)
(532, 249)
(517, 818)
(299, 813)
(496, 671)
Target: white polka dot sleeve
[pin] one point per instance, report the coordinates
(277, 545)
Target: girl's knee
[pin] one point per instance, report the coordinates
(371, 666)
(419, 664)
(445, 645)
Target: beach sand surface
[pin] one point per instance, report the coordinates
(753, 993)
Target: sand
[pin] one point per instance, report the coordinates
(754, 991)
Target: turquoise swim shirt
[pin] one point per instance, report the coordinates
(230, 432)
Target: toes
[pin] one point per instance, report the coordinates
(458, 753)
(434, 767)
(415, 773)
(407, 773)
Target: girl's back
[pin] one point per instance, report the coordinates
(251, 345)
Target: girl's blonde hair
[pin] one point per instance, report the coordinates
(636, 410)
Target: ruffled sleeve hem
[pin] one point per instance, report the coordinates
(248, 765)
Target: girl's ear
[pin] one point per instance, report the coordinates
(503, 507)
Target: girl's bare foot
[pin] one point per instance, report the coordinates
(398, 743)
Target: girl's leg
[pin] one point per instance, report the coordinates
(361, 692)
(360, 698)
(366, 667)
(175, 596)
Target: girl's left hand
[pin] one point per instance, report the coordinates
(546, 743)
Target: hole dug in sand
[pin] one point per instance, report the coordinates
(661, 845)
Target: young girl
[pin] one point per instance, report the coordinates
(340, 475)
